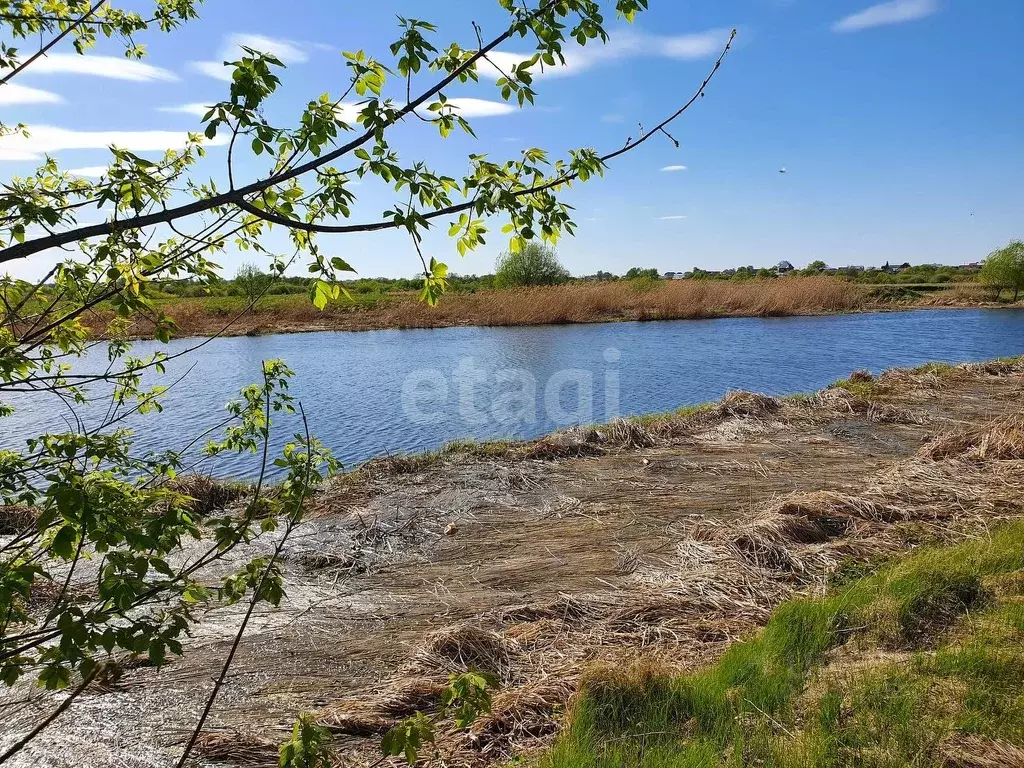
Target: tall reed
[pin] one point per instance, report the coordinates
(572, 303)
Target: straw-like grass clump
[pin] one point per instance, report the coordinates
(1002, 439)
(16, 518)
(234, 748)
(527, 712)
(205, 495)
(741, 405)
(466, 647)
(969, 751)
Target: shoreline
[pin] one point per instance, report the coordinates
(255, 324)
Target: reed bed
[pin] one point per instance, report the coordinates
(553, 305)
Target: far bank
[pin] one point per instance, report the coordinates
(553, 305)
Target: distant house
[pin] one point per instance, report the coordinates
(783, 267)
(675, 275)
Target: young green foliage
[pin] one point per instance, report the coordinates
(95, 497)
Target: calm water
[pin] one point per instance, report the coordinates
(368, 394)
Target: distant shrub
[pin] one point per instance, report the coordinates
(251, 282)
(638, 272)
(645, 283)
(535, 264)
(893, 293)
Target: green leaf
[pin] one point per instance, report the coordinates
(63, 544)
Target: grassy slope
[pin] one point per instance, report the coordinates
(921, 663)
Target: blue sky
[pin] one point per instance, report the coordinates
(900, 125)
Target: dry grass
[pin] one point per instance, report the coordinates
(235, 748)
(574, 303)
(1002, 439)
(15, 518)
(747, 404)
(205, 495)
(976, 752)
(467, 647)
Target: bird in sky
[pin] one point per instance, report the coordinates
(783, 170)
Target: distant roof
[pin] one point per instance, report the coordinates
(784, 265)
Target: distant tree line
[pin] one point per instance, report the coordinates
(537, 265)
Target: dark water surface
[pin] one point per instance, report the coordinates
(367, 394)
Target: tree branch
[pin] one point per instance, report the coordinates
(233, 197)
(42, 51)
(460, 207)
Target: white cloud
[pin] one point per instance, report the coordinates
(214, 69)
(699, 46)
(89, 171)
(113, 67)
(894, 12)
(673, 168)
(12, 93)
(288, 51)
(469, 107)
(670, 218)
(45, 139)
(348, 112)
(622, 45)
(198, 109)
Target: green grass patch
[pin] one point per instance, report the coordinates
(884, 670)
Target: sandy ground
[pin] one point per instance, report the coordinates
(675, 539)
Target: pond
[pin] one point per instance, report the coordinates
(373, 393)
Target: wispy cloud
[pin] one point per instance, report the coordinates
(89, 171)
(214, 69)
(44, 139)
(613, 119)
(469, 107)
(287, 51)
(670, 218)
(673, 168)
(12, 93)
(883, 14)
(112, 67)
(198, 109)
(622, 45)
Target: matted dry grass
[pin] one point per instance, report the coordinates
(15, 518)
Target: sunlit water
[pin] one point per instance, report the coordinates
(373, 393)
